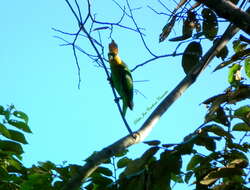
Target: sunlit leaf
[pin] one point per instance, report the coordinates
(232, 73)
(17, 136)
(4, 131)
(241, 127)
(238, 163)
(14, 165)
(21, 115)
(11, 147)
(240, 55)
(191, 56)
(247, 67)
(243, 112)
(239, 46)
(20, 125)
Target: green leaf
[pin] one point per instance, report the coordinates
(235, 154)
(20, 125)
(123, 162)
(220, 173)
(187, 29)
(232, 73)
(195, 160)
(210, 24)
(238, 163)
(4, 173)
(177, 178)
(47, 165)
(239, 46)
(101, 180)
(172, 161)
(221, 116)
(247, 67)
(4, 131)
(21, 115)
(223, 52)
(17, 136)
(14, 165)
(2, 112)
(139, 164)
(104, 171)
(188, 175)
(218, 131)
(241, 127)
(10, 146)
(152, 143)
(223, 64)
(242, 111)
(178, 38)
(207, 141)
(123, 153)
(191, 56)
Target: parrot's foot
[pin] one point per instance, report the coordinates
(117, 99)
(110, 81)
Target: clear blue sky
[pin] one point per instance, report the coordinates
(40, 78)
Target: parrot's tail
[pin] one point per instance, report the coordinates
(131, 105)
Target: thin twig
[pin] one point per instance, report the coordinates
(155, 58)
(138, 29)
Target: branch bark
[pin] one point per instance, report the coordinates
(99, 157)
(231, 12)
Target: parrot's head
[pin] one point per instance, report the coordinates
(113, 48)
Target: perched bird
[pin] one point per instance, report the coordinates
(121, 77)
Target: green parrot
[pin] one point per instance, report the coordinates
(121, 77)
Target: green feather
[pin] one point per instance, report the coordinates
(122, 80)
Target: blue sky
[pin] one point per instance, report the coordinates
(40, 78)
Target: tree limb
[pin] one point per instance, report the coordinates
(231, 12)
(125, 142)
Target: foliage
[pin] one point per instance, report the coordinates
(217, 151)
(218, 158)
(14, 175)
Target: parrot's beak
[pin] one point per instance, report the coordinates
(111, 56)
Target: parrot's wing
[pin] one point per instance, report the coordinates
(127, 84)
